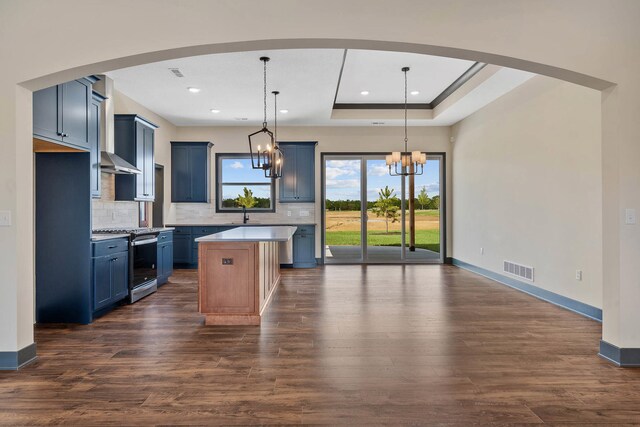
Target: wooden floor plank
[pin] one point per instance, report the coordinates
(354, 345)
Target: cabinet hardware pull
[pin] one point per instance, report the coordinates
(112, 247)
(114, 259)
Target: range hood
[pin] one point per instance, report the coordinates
(112, 163)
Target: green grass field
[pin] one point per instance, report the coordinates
(425, 239)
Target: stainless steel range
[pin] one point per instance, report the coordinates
(143, 259)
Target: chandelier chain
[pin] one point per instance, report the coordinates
(264, 122)
(275, 117)
(406, 139)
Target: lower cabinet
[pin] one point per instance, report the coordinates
(182, 250)
(165, 256)
(185, 247)
(304, 247)
(110, 279)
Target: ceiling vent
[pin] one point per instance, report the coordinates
(519, 270)
(176, 72)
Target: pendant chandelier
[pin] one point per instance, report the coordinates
(405, 163)
(267, 155)
(277, 160)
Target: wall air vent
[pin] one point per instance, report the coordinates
(176, 72)
(518, 270)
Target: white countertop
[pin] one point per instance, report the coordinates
(280, 233)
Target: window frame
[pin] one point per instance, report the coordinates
(219, 185)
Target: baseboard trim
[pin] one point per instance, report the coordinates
(622, 357)
(14, 360)
(581, 308)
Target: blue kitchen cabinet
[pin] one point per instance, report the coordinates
(94, 142)
(182, 247)
(61, 114)
(62, 208)
(165, 256)
(304, 247)
(101, 282)
(110, 273)
(297, 184)
(185, 247)
(134, 142)
(190, 165)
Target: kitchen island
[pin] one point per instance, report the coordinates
(238, 272)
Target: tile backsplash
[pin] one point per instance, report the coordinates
(107, 213)
(205, 213)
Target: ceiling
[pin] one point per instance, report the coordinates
(380, 73)
(313, 84)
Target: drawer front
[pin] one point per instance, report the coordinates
(108, 247)
(204, 231)
(182, 230)
(165, 237)
(305, 229)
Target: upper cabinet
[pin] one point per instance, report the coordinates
(134, 142)
(94, 142)
(61, 113)
(190, 164)
(297, 183)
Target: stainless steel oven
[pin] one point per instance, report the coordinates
(143, 261)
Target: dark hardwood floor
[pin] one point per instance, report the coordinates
(340, 344)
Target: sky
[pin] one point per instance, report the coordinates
(239, 170)
(343, 179)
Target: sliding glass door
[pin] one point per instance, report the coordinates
(369, 216)
(343, 226)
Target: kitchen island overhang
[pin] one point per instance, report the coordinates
(238, 273)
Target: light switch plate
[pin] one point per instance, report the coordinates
(630, 216)
(5, 218)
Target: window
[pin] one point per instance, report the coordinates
(237, 183)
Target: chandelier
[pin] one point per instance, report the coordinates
(406, 163)
(267, 155)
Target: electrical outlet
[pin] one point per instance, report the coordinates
(5, 218)
(288, 213)
(579, 275)
(304, 213)
(630, 216)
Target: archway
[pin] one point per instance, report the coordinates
(494, 32)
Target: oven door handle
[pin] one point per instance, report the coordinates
(144, 241)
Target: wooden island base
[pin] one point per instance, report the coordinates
(237, 281)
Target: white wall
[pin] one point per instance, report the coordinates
(330, 140)
(527, 186)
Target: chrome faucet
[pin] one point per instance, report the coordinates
(245, 217)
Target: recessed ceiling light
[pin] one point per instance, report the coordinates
(364, 92)
(415, 92)
(214, 111)
(193, 89)
(284, 111)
